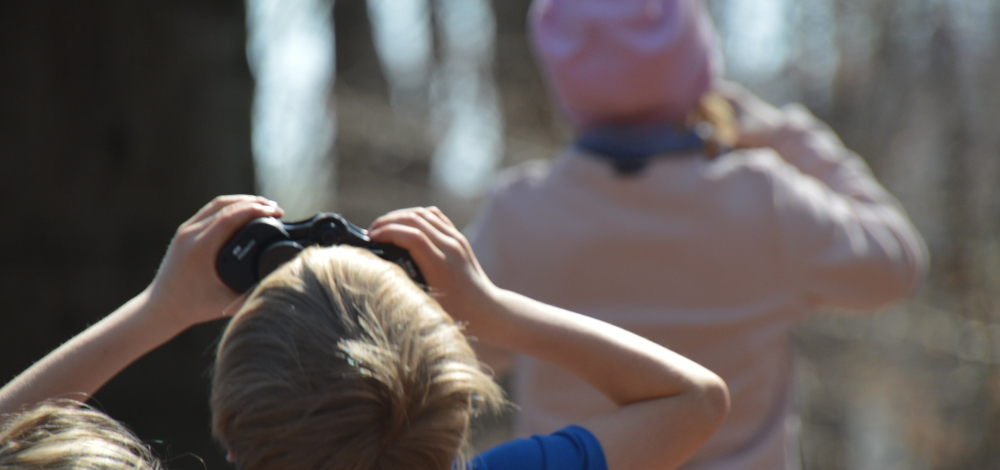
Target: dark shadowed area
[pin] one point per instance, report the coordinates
(118, 120)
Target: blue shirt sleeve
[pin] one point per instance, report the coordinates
(570, 448)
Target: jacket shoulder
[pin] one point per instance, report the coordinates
(520, 180)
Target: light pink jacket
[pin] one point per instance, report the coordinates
(715, 259)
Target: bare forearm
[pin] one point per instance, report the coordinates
(625, 367)
(185, 291)
(82, 365)
(677, 404)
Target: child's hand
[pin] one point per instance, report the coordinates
(759, 120)
(187, 290)
(444, 257)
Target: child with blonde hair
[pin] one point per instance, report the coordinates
(65, 435)
(337, 360)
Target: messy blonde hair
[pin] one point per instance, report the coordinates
(68, 435)
(338, 360)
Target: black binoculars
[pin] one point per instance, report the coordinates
(266, 243)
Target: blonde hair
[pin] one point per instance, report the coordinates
(338, 360)
(68, 435)
(715, 119)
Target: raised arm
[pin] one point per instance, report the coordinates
(185, 291)
(668, 405)
(847, 238)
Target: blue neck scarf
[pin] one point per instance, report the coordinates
(629, 149)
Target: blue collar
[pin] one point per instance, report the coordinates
(629, 149)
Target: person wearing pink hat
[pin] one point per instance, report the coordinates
(687, 211)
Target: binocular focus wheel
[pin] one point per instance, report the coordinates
(276, 255)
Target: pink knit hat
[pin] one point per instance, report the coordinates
(612, 62)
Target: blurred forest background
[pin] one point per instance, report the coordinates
(119, 119)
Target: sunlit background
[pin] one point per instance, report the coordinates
(436, 59)
(911, 85)
(117, 120)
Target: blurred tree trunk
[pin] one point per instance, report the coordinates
(118, 120)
